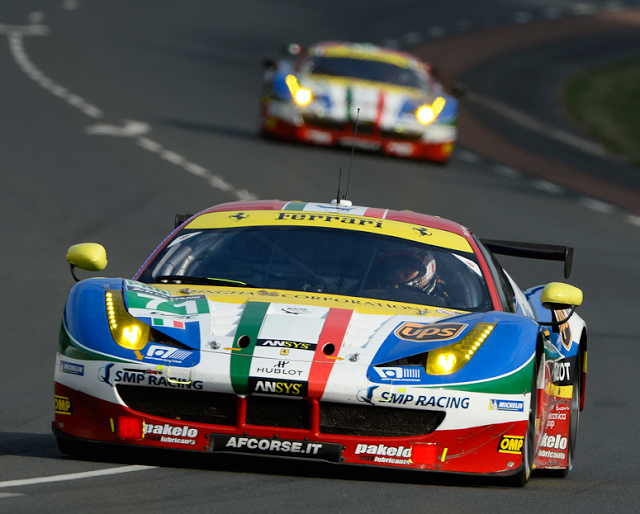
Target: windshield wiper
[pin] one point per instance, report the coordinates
(185, 279)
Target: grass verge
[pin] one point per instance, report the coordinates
(606, 102)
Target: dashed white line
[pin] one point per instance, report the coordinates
(548, 187)
(467, 156)
(74, 476)
(634, 220)
(506, 171)
(9, 495)
(551, 13)
(70, 5)
(130, 129)
(583, 9)
(522, 17)
(597, 205)
(436, 31)
(412, 38)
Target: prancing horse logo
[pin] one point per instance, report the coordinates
(239, 216)
(422, 231)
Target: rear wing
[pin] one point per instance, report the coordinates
(533, 251)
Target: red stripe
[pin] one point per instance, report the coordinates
(380, 109)
(373, 212)
(334, 330)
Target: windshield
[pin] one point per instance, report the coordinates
(364, 70)
(322, 260)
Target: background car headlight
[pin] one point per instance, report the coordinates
(450, 359)
(427, 113)
(301, 95)
(126, 330)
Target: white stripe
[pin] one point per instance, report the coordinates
(74, 476)
(634, 220)
(9, 495)
(529, 122)
(597, 205)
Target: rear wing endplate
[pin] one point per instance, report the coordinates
(533, 251)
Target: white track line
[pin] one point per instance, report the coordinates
(16, 35)
(74, 476)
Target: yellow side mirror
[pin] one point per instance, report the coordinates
(87, 256)
(558, 296)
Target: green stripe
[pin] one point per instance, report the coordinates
(249, 326)
(515, 383)
(349, 100)
(69, 348)
(295, 206)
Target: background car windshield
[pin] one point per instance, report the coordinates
(330, 261)
(377, 71)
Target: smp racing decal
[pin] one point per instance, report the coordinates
(421, 332)
(373, 397)
(153, 380)
(282, 447)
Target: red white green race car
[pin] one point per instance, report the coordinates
(329, 331)
(345, 94)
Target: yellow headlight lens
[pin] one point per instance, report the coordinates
(427, 113)
(450, 359)
(126, 330)
(301, 95)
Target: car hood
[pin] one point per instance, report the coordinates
(256, 331)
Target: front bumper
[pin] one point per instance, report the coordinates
(373, 139)
(237, 424)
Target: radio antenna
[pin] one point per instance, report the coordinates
(353, 147)
(339, 182)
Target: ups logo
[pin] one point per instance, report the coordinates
(420, 332)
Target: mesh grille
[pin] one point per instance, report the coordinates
(277, 412)
(197, 406)
(357, 420)
(392, 134)
(323, 123)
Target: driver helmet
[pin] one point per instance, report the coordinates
(407, 268)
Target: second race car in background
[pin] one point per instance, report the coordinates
(378, 99)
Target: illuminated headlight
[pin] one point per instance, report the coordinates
(427, 113)
(126, 330)
(302, 96)
(450, 359)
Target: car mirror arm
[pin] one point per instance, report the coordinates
(558, 323)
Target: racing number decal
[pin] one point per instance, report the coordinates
(168, 304)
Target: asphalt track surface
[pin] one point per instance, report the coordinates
(116, 115)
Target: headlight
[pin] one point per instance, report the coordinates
(301, 95)
(450, 359)
(427, 113)
(126, 330)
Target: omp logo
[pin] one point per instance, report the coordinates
(421, 332)
(163, 353)
(286, 344)
(63, 405)
(508, 405)
(511, 444)
(289, 388)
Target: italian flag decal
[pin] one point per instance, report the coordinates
(268, 364)
(170, 323)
